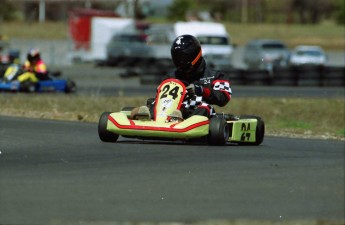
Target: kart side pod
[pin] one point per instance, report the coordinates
(193, 127)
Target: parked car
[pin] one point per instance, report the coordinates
(159, 39)
(266, 54)
(153, 58)
(126, 49)
(308, 55)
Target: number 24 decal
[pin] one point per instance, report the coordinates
(207, 81)
(173, 92)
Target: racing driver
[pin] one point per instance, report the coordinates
(34, 66)
(205, 86)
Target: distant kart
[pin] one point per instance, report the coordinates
(220, 129)
(52, 83)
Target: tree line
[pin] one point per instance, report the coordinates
(264, 11)
(242, 11)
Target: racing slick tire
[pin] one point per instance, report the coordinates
(103, 133)
(70, 86)
(28, 86)
(218, 131)
(259, 132)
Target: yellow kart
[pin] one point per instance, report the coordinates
(218, 130)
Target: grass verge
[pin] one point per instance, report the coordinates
(294, 117)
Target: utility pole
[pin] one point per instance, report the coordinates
(244, 11)
(42, 11)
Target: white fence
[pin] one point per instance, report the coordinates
(53, 52)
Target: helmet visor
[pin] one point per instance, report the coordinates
(184, 62)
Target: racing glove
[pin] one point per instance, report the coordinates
(195, 89)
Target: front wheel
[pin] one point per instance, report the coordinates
(218, 131)
(103, 133)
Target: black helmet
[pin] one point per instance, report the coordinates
(186, 53)
(33, 54)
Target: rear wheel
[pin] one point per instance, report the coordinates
(218, 131)
(259, 132)
(28, 86)
(103, 133)
(70, 86)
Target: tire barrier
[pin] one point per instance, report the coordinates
(292, 76)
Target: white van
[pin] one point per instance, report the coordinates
(215, 41)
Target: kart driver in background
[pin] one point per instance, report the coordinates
(205, 85)
(35, 68)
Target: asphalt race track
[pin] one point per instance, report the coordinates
(56, 171)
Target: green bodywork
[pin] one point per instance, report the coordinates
(243, 130)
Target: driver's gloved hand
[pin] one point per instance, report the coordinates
(195, 89)
(150, 101)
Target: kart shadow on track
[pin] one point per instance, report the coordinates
(169, 142)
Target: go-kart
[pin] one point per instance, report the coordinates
(218, 130)
(50, 83)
